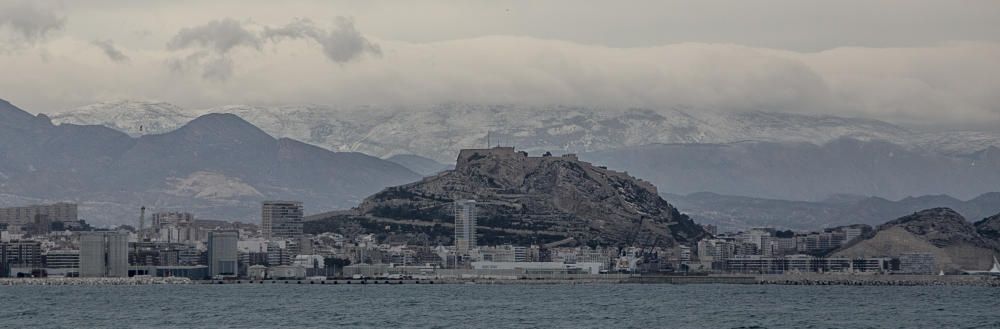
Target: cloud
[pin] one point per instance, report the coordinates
(218, 68)
(109, 49)
(341, 44)
(955, 84)
(219, 35)
(216, 40)
(29, 22)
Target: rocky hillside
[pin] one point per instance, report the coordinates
(990, 228)
(541, 198)
(953, 241)
(216, 166)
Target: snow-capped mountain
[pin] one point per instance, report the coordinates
(132, 117)
(440, 131)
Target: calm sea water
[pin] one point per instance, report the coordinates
(499, 306)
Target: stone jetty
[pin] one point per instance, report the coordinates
(53, 281)
(879, 280)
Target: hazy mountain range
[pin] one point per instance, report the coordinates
(757, 156)
(806, 171)
(731, 213)
(439, 132)
(217, 166)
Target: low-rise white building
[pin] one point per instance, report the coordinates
(541, 267)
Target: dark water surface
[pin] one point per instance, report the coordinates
(498, 306)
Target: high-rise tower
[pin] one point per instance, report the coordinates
(465, 226)
(281, 219)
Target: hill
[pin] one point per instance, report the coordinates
(535, 200)
(217, 166)
(954, 242)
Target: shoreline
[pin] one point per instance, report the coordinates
(772, 279)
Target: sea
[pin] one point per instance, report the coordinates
(498, 306)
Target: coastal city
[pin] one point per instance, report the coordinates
(51, 241)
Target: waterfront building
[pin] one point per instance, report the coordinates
(257, 272)
(465, 226)
(278, 253)
(309, 261)
(62, 259)
(197, 272)
(541, 267)
(917, 263)
(103, 254)
(58, 212)
(222, 254)
(281, 219)
(758, 264)
(504, 253)
(286, 272)
(21, 253)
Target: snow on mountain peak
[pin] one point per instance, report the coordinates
(132, 117)
(440, 131)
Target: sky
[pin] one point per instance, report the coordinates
(912, 62)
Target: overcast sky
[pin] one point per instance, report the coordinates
(909, 61)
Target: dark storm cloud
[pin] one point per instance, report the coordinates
(341, 44)
(29, 22)
(110, 50)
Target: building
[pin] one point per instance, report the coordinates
(257, 272)
(172, 218)
(540, 267)
(174, 227)
(917, 263)
(62, 259)
(465, 226)
(21, 253)
(711, 229)
(103, 254)
(286, 272)
(281, 219)
(58, 212)
(222, 254)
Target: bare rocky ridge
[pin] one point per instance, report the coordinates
(953, 241)
(554, 195)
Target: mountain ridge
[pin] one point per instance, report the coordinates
(217, 166)
(440, 131)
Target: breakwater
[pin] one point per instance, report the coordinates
(811, 279)
(879, 280)
(52, 281)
